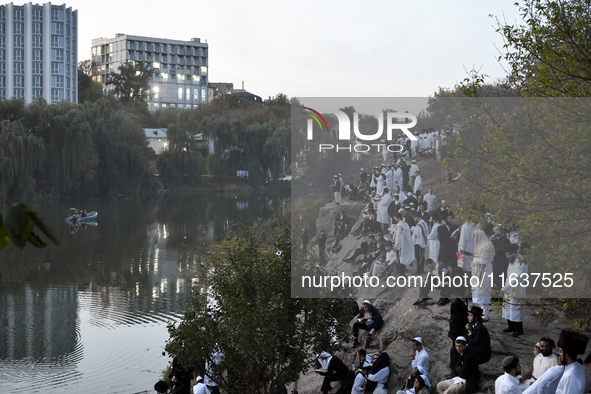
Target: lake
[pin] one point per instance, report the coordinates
(90, 315)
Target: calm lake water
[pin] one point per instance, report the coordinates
(90, 315)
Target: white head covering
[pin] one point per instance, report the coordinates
(324, 359)
(366, 364)
(483, 247)
(461, 338)
(199, 378)
(418, 339)
(367, 302)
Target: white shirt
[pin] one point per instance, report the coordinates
(358, 384)
(573, 380)
(430, 198)
(548, 383)
(381, 377)
(507, 384)
(200, 388)
(542, 364)
(422, 359)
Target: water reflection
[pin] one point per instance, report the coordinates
(107, 291)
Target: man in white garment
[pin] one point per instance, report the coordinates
(545, 360)
(403, 244)
(514, 291)
(466, 245)
(548, 382)
(398, 178)
(573, 380)
(430, 198)
(412, 172)
(382, 215)
(419, 356)
(418, 184)
(508, 382)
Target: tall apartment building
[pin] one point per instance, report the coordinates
(178, 68)
(38, 52)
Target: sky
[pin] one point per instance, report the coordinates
(319, 48)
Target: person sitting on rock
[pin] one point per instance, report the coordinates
(370, 319)
(417, 383)
(333, 369)
(545, 360)
(508, 383)
(467, 374)
(419, 356)
(379, 374)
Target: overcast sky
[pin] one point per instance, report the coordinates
(318, 48)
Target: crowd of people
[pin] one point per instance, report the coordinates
(403, 227)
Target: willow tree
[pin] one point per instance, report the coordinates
(21, 155)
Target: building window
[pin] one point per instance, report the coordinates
(19, 42)
(37, 55)
(196, 78)
(181, 77)
(19, 55)
(37, 41)
(2, 69)
(37, 68)
(57, 81)
(36, 27)
(57, 54)
(37, 81)
(18, 15)
(155, 92)
(19, 67)
(19, 28)
(57, 15)
(37, 93)
(57, 94)
(57, 41)
(19, 81)
(188, 94)
(180, 93)
(164, 75)
(195, 94)
(57, 68)
(156, 65)
(57, 28)
(203, 95)
(37, 14)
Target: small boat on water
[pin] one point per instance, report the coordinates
(81, 216)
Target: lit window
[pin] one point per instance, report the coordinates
(156, 92)
(155, 65)
(196, 78)
(203, 70)
(181, 77)
(180, 93)
(164, 75)
(195, 94)
(203, 93)
(188, 94)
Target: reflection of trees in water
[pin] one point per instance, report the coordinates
(39, 325)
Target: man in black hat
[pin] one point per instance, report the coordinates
(177, 386)
(478, 336)
(161, 387)
(573, 380)
(508, 383)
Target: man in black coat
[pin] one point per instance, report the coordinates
(370, 319)
(448, 244)
(467, 379)
(334, 370)
(478, 337)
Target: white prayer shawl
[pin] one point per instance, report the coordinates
(573, 380)
(547, 383)
(466, 242)
(390, 179)
(484, 252)
(422, 359)
(420, 234)
(404, 243)
(514, 296)
(380, 185)
(383, 205)
(398, 179)
(418, 184)
(434, 244)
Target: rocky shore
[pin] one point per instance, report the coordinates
(404, 321)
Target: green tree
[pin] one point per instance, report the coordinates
(243, 310)
(550, 52)
(131, 83)
(88, 89)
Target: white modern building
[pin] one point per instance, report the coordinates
(179, 68)
(38, 52)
